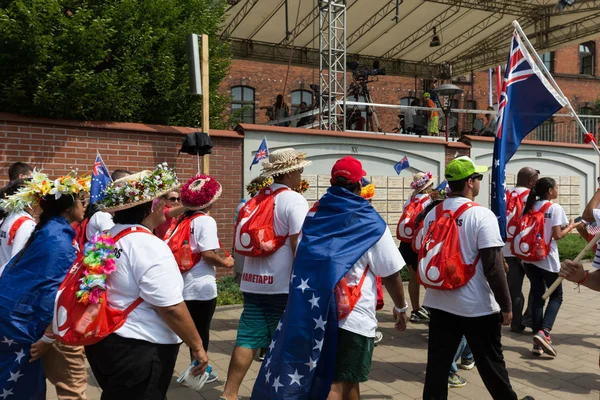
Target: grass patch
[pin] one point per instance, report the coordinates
(405, 274)
(570, 246)
(228, 292)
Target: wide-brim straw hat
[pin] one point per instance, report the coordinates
(121, 194)
(426, 183)
(283, 161)
(200, 192)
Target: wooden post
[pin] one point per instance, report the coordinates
(205, 99)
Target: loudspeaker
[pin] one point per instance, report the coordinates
(193, 54)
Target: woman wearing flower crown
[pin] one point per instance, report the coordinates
(30, 281)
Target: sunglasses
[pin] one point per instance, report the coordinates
(174, 199)
(479, 177)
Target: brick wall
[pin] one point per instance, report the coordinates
(58, 146)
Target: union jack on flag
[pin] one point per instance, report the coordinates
(261, 153)
(100, 179)
(526, 101)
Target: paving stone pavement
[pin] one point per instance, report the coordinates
(398, 368)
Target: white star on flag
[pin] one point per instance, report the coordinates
(268, 376)
(303, 285)
(292, 278)
(496, 163)
(312, 364)
(20, 355)
(279, 325)
(14, 377)
(314, 302)
(268, 361)
(319, 344)
(8, 341)
(6, 393)
(320, 323)
(295, 378)
(272, 345)
(276, 384)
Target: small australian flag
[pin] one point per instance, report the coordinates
(100, 179)
(261, 153)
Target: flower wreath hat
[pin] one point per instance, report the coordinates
(40, 186)
(133, 190)
(283, 161)
(200, 192)
(421, 181)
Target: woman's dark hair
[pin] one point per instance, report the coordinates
(415, 103)
(279, 101)
(134, 215)
(419, 218)
(538, 192)
(341, 181)
(9, 190)
(90, 210)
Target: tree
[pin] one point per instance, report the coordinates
(114, 60)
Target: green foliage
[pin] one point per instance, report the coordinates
(570, 246)
(405, 274)
(115, 60)
(229, 292)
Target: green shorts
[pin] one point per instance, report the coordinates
(434, 125)
(353, 359)
(259, 319)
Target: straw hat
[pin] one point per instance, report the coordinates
(421, 181)
(200, 192)
(136, 189)
(283, 161)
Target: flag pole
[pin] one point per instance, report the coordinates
(542, 67)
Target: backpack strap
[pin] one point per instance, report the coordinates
(463, 208)
(524, 193)
(545, 207)
(15, 227)
(362, 279)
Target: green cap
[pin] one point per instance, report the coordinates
(461, 168)
(426, 95)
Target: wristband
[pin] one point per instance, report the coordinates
(48, 339)
(401, 310)
(585, 278)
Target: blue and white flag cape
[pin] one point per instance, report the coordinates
(27, 292)
(301, 358)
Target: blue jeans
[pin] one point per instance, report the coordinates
(540, 279)
(463, 351)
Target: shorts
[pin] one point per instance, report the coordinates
(410, 257)
(353, 359)
(433, 125)
(259, 319)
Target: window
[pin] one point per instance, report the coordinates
(548, 60)
(243, 99)
(587, 58)
(299, 96)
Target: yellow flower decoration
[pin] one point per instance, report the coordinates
(368, 192)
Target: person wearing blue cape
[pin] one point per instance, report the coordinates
(323, 345)
(30, 281)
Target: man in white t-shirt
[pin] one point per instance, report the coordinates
(478, 308)
(13, 237)
(526, 179)
(265, 280)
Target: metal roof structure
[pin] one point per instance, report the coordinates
(474, 34)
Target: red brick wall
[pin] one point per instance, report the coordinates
(58, 146)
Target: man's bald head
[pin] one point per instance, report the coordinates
(527, 177)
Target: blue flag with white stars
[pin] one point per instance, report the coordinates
(526, 101)
(100, 180)
(300, 362)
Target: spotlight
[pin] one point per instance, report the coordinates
(435, 39)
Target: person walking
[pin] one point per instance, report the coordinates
(476, 309)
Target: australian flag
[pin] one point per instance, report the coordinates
(300, 362)
(261, 153)
(401, 165)
(527, 100)
(100, 179)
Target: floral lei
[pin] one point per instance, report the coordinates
(127, 192)
(207, 192)
(98, 262)
(421, 182)
(302, 187)
(40, 185)
(368, 192)
(254, 188)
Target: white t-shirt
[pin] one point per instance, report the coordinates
(555, 216)
(383, 259)
(271, 275)
(8, 251)
(200, 282)
(99, 222)
(478, 229)
(146, 268)
(518, 189)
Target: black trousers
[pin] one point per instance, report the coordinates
(132, 369)
(483, 336)
(515, 276)
(202, 312)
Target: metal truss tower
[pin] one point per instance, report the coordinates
(332, 64)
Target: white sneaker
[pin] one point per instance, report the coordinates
(378, 337)
(212, 377)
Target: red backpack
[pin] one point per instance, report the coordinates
(79, 324)
(347, 296)
(441, 265)
(514, 211)
(406, 229)
(254, 232)
(380, 302)
(80, 235)
(529, 243)
(176, 242)
(15, 227)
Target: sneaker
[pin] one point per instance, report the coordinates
(537, 350)
(378, 337)
(456, 381)
(467, 364)
(421, 316)
(212, 377)
(542, 338)
(261, 354)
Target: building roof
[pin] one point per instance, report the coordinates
(475, 34)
